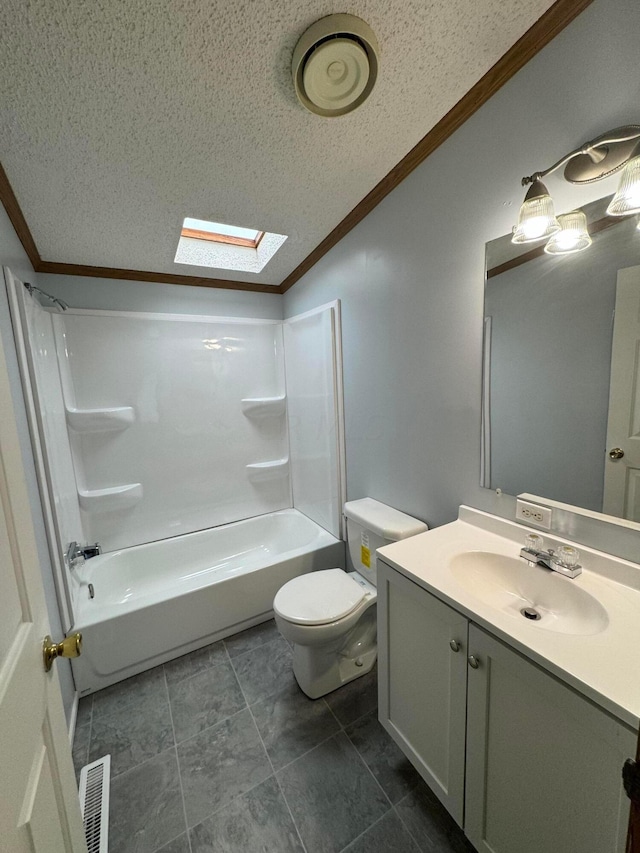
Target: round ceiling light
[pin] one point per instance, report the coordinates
(335, 65)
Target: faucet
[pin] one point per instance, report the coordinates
(564, 560)
(75, 552)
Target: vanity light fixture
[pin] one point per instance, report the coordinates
(593, 161)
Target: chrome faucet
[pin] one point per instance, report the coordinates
(76, 552)
(564, 560)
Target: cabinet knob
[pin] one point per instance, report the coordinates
(474, 663)
(455, 645)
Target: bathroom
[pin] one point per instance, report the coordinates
(410, 281)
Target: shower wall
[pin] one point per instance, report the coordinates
(163, 435)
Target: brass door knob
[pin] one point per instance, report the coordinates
(616, 453)
(70, 647)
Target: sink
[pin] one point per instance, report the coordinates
(509, 584)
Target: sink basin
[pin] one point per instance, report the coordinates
(509, 584)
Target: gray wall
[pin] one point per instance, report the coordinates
(13, 255)
(410, 276)
(120, 295)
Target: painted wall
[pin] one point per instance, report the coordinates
(410, 276)
(13, 255)
(120, 295)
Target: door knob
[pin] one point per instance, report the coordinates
(70, 647)
(616, 453)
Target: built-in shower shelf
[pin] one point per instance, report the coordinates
(260, 472)
(100, 420)
(263, 407)
(111, 499)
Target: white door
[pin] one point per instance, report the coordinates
(622, 473)
(39, 808)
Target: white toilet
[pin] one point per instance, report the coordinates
(330, 615)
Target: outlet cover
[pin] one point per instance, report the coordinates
(534, 514)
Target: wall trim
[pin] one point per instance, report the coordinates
(147, 275)
(546, 28)
(10, 202)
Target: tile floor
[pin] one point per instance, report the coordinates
(220, 751)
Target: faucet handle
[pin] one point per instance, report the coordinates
(533, 542)
(567, 555)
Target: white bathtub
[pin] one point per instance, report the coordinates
(158, 601)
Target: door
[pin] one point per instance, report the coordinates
(622, 472)
(39, 808)
(422, 677)
(543, 763)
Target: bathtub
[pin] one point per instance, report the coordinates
(158, 601)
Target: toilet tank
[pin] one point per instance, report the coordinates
(371, 525)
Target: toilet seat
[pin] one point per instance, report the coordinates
(318, 598)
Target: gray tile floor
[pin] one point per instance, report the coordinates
(221, 751)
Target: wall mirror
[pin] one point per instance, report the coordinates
(555, 403)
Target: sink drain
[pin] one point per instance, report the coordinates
(530, 613)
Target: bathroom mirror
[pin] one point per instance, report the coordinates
(548, 332)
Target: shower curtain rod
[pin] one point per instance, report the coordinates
(31, 287)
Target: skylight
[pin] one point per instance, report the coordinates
(228, 247)
(218, 232)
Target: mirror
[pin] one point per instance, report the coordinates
(548, 332)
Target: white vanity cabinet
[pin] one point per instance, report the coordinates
(522, 761)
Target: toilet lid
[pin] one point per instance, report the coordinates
(318, 597)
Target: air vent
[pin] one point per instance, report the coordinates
(94, 803)
(335, 65)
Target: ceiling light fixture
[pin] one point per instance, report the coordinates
(593, 161)
(335, 65)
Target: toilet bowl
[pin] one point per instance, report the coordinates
(329, 616)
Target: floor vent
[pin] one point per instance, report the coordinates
(94, 803)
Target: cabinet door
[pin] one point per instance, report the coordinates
(543, 763)
(422, 682)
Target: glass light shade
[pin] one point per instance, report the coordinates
(573, 235)
(537, 219)
(627, 199)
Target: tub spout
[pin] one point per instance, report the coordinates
(76, 552)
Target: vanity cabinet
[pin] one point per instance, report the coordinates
(523, 762)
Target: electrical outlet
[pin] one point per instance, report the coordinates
(538, 516)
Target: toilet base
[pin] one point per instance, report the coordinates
(318, 675)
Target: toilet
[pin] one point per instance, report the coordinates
(330, 616)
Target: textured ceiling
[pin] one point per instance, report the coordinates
(120, 118)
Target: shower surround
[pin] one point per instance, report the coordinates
(204, 455)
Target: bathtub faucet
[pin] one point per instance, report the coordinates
(75, 552)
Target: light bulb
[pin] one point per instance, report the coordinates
(536, 219)
(627, 198)
(572, 237)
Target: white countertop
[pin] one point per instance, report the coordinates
(605, 667)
